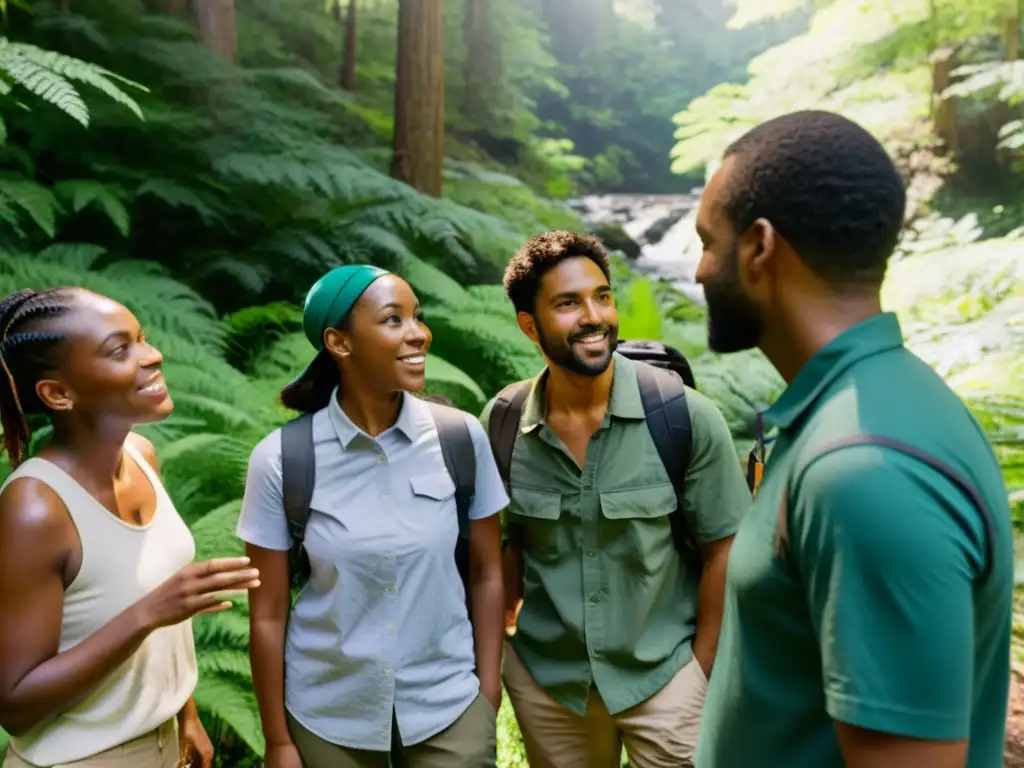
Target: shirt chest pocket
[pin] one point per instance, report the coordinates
(637, 523)
(433, 503)
(537, 514)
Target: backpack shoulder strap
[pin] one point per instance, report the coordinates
(965, 486)
(298, 478)
(503, 424)
(668, 418)
(459, 458)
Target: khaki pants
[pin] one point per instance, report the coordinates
(156, 749)
(469, 742)
(658, 733)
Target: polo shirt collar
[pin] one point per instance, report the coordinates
(877, 334)
(413, 418)
(624, 402)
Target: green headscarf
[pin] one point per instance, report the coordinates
(332, 297)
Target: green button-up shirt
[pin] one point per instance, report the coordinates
(607, 599)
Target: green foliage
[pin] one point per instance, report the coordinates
(48, 75)
(866, 59)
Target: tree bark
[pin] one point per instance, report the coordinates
(215, 26)
(1011, 37)
(478, 69)
(418, 148)
(348, 62)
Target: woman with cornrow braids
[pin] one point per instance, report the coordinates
(97, 583)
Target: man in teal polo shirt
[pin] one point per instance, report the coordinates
(869, 592)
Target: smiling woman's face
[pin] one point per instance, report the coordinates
(108, 369)
(386, 342)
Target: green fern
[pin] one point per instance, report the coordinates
(48, 75)
(86, 193)
(34, 200)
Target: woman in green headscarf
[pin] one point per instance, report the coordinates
(380, 660)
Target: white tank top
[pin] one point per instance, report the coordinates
(120, 563)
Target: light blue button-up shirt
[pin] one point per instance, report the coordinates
(381, 627)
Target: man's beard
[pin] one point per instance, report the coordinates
(733, 322)
(564, 353)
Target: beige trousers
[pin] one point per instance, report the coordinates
(156, 749)
(658, 733)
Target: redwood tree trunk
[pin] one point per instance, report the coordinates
(418, 155)
(348, 63)
(215, 26)
(479, 67)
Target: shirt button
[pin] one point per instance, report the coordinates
(391, 629)
(591, 553)
(381, 458)
(384, 495)
(389, 588)
(387, 672)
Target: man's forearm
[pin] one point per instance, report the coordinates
(710, 604)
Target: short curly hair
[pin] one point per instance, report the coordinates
(542, 253)
(827, 186)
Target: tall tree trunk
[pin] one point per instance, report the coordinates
(348, 62)
(479, 70)
(418, 149)
(215, 26)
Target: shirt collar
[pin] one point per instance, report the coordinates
(624, 401)
(867, 338)
(413, 418)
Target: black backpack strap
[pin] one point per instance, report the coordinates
(298, 475)
(668, 418)
(965, 486)
(459, 458)
(460, 461)
(503, 424)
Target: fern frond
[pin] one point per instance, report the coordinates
(75, 256)
(35, 200)
(235, 704)
(42, 82)
(443, 378)
(180, 196)
(47, 73)
(82, 193)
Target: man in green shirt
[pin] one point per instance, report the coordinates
(616, 635)
(869, 592)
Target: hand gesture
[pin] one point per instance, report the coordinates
(197, 588)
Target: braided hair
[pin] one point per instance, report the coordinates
(28, 351)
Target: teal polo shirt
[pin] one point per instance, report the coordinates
(875, 616)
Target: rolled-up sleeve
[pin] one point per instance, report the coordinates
(262, 521)
(490, 495)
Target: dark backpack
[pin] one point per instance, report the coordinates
(298, 468)
(660, 378)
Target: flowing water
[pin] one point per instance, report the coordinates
(662, 226)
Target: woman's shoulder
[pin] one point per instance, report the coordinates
(144, 448)
(32, 515)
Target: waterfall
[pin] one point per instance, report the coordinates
(662, 226)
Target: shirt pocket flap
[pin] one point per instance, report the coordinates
(436, 485)
(538, 505)
(639, 503)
